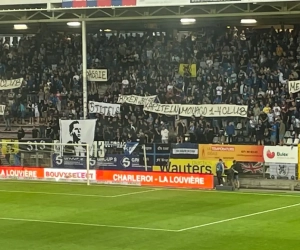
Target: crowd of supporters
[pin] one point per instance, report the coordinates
(233, 66)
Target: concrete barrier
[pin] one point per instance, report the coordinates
(270, 184)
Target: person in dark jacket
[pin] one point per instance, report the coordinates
(235, 172)
(21, 133)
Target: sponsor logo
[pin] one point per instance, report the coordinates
(220, 148)
(187, 168)
(270, 154)
(125, 162)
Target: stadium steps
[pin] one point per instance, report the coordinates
(14, 129)
(3, 160)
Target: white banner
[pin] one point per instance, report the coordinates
(206, 110)
(77, 132)
(280, 154)
(166, 109)
(136, 100)
(11, 84)
(69, 174)
(108, 109)
(2, 109)
(285, 171)
(294, 86)
(214, 110)
(97, 75)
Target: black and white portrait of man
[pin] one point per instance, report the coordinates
(76, 133)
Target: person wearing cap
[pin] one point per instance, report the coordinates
(220, 171)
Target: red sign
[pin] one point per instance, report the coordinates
(157, 179)
(21, 173)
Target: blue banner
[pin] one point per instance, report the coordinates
(156, 154)
(110, 162)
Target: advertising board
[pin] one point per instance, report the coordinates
(156, 154)
(109, 162)
(242, 153)
(280, 154)
(157, 179)
(68, 174)
(21, 173)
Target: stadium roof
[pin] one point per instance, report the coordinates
(54, 17)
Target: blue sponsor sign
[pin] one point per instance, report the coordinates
(156, 154)
(110, 162)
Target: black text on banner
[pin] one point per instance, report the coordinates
(97, 75)
(11, 84)
(294, 86)
(136, 100)
(108, 109)
(166, 109)
(214, 110)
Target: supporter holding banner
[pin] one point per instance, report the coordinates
(77, 132)
(97, 75)
(189, 68)
(166, 109)
(2, 109)
(108, 109)
(136, 100)
(214, 110)
(11, 84)
(294, 86)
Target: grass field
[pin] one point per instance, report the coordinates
(73, 216)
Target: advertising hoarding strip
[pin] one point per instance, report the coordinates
(158, 179)
(155, 179)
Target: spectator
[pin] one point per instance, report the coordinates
(230, 130)
(7, 118)
(35, 132)
(164, 135)
(232, 67)
(20, 133)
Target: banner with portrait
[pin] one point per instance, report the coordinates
(77, 132)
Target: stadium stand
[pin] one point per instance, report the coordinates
(243, 67)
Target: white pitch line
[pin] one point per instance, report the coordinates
(73, 194)
(49, 193)
(238, 217)
(165, 189)
(140, 192)
(87, 224)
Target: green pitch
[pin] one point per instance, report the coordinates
(57, 216)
